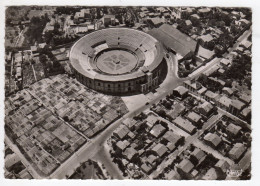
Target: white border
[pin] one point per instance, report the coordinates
(254, 4)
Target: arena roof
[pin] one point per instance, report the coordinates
(82, 52)
(175, 39)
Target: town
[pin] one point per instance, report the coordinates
(128, 93)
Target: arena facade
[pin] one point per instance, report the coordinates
(117, 61)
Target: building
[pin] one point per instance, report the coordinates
(228, 91)
(172, 140)
(233, 130)
(184, 168)
(121, 132)
(180, 92)
(205, 108)
(225, 62)
(192, 85)
(121, 145)
(197, 156)
(185, 125)
(146, 168)
(174, 40)
(206, 39)
(109, 20)
(237, 151)
(211, 96)
(212, 140)
(96, 62)
(211, 174)
(246, 114)
(194, 118)
(222, 166)
(224, 103)
(157, 130)
(236, 107)
(129, 153)
(159, 149)
(245, 98)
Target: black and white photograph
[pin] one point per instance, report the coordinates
(127, 92)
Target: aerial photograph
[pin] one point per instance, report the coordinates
(127, 93)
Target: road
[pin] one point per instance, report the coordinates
(188, 140)
(104, 157)
(216, 60)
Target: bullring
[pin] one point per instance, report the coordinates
(117, 60)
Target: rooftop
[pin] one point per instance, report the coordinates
(174, 39)
(237, 150)
(157, 130)
(194, 117)
(233, 129)
(185, 124)
(237, 104)
(160, 149)
(213, 138)
(181, 90)
(186, 166)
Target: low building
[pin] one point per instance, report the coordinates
(222, 166)
(129, 123)
(210, 71)
(225, 62)
(205, 108)
(157, 21)
(192, 85)
(194, 118)
(180, 92)
(246, 114)
(224, 103)
(171, 137)
(146, 168)
(228, 91)
(245, 98)
(129, 153)
(185, 125)
(121, 145)
(233, 129)
(211, 174)
(184, 168)
(237, 151)
(236, 107)
(212, 140)
(206, 39)
(202, 91)
(109, 20)
(151, 119)
(197, 156)
(172, 175)
(157, 130)
(121, 132)
(159, 149)
(211, 96)
(151, 159)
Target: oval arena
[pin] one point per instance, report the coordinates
(117, 61)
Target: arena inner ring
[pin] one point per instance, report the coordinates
(117, 60)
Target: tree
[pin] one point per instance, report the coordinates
(43, 59)
(162, 113)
